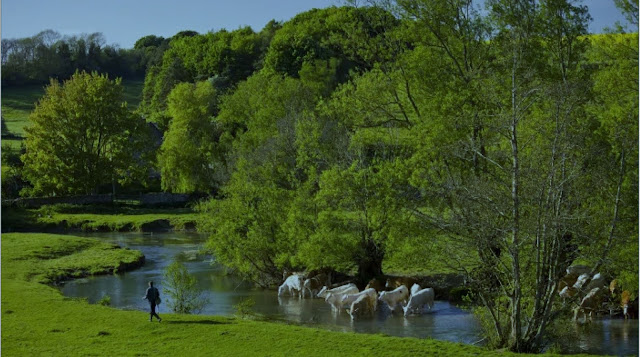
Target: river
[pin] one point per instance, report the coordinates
(444, 322)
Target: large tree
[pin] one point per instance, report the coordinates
(191, 157)
(82, 136)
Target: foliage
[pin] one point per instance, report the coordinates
(105, 301)
(181, 287)
(353, 36)
(191, 158)
(48, 54)
(223, 57)
(83, 136)
(247, 234)
(615, 107)
(245, 307)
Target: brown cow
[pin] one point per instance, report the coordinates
(614, 287)
(376, 283)
(397, 281)
(314, 284)
(590, 303)
(567, 280)
(627, 309)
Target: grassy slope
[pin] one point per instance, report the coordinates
(38, 320)
(94, 218)
(18, 102)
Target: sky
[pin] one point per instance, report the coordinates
(122, 22)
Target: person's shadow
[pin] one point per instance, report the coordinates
(201, 322)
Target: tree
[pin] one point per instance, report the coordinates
(82, 136)
(247, 224)
(353, 36)
(502, 155)
(615, 106)
(629, 9)
(191, 158)
(359, 220)
(509, 188)
(182, 288)
(223, 57)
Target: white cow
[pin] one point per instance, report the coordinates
(350, 288)
(362, 306)
(581, 280)
(418, 300)
(334, 296)
(414, 289)
(395, 297)
(293, 286)
(348, 299)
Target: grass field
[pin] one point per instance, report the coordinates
(37, 320)
(19, 102)
(97, 218)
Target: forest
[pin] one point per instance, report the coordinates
(499, 143)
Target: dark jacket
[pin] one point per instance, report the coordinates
(152, 294)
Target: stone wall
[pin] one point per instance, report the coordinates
(163, 198)
(35, 202)
(147, 199)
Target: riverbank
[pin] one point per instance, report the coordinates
(37, 319)
(63, 218)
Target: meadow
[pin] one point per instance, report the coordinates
(98, 218)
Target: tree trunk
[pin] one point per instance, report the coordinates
(370, 265)
(516, 320)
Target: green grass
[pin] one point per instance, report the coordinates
(17, 104)
(96, 218)
(38, 320)
(133, 92)
(48, 258)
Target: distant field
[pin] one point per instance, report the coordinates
(18, 102)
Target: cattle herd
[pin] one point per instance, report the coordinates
(591, 294)
(393, 293)
(588, 293)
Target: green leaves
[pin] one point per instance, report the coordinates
(82, 136)
(182, 289)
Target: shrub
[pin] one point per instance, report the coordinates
(460, 295)
(105, 301)
(245, 307)
(182, 289)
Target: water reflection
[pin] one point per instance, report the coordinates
(605, 336)
(444, 322)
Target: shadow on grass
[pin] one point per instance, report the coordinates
(200, 322)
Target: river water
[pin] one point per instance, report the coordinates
(444, 322)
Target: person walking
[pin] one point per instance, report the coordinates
(153, 296)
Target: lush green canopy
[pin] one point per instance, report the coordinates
(82, 136)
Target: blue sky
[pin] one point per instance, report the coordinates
(124, 21)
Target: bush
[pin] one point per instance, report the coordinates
(181, 287)
(105, 301)
(490, 336)
(461, 295)
(245, 307)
